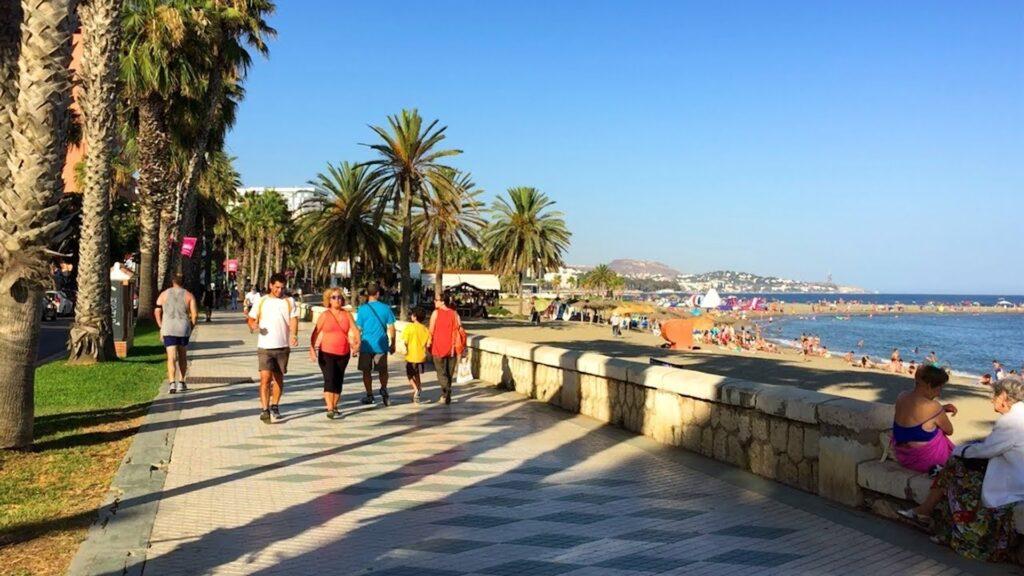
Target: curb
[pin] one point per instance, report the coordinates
(117, 542)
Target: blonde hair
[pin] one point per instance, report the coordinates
(330, 292)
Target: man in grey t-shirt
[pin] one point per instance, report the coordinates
(176, 314)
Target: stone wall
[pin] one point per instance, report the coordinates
(805, 439)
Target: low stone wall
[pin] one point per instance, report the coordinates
(805, 439)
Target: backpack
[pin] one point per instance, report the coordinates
(254, 324)
(458, 337)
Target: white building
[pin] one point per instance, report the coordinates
(295, 197)
(564, 274)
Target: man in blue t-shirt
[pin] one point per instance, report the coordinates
(377, 329)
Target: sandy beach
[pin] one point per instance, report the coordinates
(829, 375)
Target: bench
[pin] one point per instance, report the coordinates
(890, 479)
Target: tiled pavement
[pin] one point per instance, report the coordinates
(491, 485)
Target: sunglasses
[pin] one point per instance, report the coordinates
(335, 297)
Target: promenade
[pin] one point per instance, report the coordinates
(491, 485)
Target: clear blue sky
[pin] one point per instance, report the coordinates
(881, 141)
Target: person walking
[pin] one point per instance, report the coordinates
(208, 301)
(276, 319)
(176, 314)
(445, 326)
(415, 336)
(376, 325)
(251, 298)
(335, 338)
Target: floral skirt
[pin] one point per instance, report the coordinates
(964, 523)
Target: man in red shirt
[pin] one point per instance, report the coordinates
(444, 324)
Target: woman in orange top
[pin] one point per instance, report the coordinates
(443, 324)
(335, 339)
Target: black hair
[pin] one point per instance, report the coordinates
(933, 376)
(275, 278)
(416, 313)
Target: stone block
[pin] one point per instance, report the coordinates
(702, 413)
(727, 419)
(569, 398)
(856, 415)
(778, 434)
(737, 453)
(692, 437)
(791, 403)
(810, 442)
(838, 460)
(648, 375)
(692, 384)
(743, 427)
(740, 393)
(519, 350)
(720, 449)
(920, 485)
(707, 441)
(600, 365)
(547, 383)
(759, 426)
(595, 398)
(795, 445)
(558, 357)
(885, 477)
(807, 480)
(788, 473)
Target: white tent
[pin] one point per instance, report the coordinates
(711, 299)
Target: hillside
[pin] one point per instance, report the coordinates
(642, 269)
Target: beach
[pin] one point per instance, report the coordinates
(789, 368)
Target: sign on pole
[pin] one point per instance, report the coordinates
(188, 245)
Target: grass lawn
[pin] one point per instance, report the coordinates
(85, 419)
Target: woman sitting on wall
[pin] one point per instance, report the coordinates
(921, 426)
(972, 498)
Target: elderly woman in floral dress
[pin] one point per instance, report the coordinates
(971, 501)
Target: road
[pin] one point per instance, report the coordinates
(53, 337)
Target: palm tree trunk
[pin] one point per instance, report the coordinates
(10, 46)
(29, 202)
(439, 273)
(405, 279)
(91, 338)
(522, 293)
(189, 227)
(154, 158)
(268, 252)
(165, 248)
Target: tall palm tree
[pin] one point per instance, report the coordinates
(91, 338)
(231, 27)
(406, 156)
(28, 203)
(341, 222)
(10, 45)
(449, 216)
(525, 236)
(603, 278)
(218, 188)
(161, 59)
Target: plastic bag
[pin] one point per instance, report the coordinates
(464, 371)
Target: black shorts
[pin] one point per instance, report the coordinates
(333, 368)
(273, 359)
(369, 362)
(413, 369)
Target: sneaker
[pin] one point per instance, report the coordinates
(385, 397)
(415, 397)
(265, 416)
(172, 388)
(368, 399)
(182, 387)
(275, 414)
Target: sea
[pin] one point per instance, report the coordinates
(967, 343)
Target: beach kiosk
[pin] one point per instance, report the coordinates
(122, 309)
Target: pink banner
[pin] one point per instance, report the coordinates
(231, 265)
(188, 245)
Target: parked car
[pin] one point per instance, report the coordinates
(49, 308)
(65, 305)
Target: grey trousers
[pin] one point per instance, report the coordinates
(445, 367)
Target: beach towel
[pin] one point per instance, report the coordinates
(924, 457)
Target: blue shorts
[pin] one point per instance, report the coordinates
(175, 341)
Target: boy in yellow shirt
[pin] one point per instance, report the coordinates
(416, 338)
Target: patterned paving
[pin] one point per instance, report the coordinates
(490, 485)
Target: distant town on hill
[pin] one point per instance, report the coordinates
(652, 275)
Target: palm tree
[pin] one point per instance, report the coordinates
(230, 27)
(341, 222)
(91, 338)
(449, 217)
(218, 188)
(603, 278)
(161, 59)
(407, 157)
(28, 202)
(10, 45)
(525, 236)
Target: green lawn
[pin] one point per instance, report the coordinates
(85, 418)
